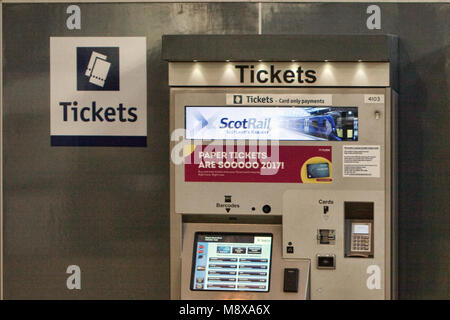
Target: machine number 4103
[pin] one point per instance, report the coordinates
(374, 98)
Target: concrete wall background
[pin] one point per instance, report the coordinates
(107, 209)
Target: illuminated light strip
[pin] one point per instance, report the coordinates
(212, 1)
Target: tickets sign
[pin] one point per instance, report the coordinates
(98, 91)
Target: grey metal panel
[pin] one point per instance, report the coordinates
(318, 47)
(394, 194)
(424, 38)
(104, 209)
(394, 47)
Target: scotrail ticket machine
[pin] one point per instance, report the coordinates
(282, 166)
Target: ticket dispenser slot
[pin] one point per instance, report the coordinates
(359, 237)
(290, 280)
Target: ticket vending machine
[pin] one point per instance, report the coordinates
(282, 166)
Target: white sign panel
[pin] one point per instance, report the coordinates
(361, 161)
(280, 99)
(98, 91)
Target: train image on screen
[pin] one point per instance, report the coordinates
(333, 123)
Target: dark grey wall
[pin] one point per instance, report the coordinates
(104, 209)
(107, 209)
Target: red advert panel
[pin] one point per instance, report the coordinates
(272, 164)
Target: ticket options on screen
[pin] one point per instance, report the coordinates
(239, 262)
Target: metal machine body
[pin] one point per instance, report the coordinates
(328, 199)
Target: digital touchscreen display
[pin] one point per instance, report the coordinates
(231, 261)
(271, 123)
(361, 228)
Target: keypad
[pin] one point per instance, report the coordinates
(361, 242)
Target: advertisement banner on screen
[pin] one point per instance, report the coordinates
(283, 164)
(272, 123)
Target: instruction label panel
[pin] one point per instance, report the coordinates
(361, 161)
(280, 99)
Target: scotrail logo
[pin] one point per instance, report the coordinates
(201, 121)
(250, 123)
(200, 124)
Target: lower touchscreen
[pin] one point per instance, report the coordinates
(231, 261)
